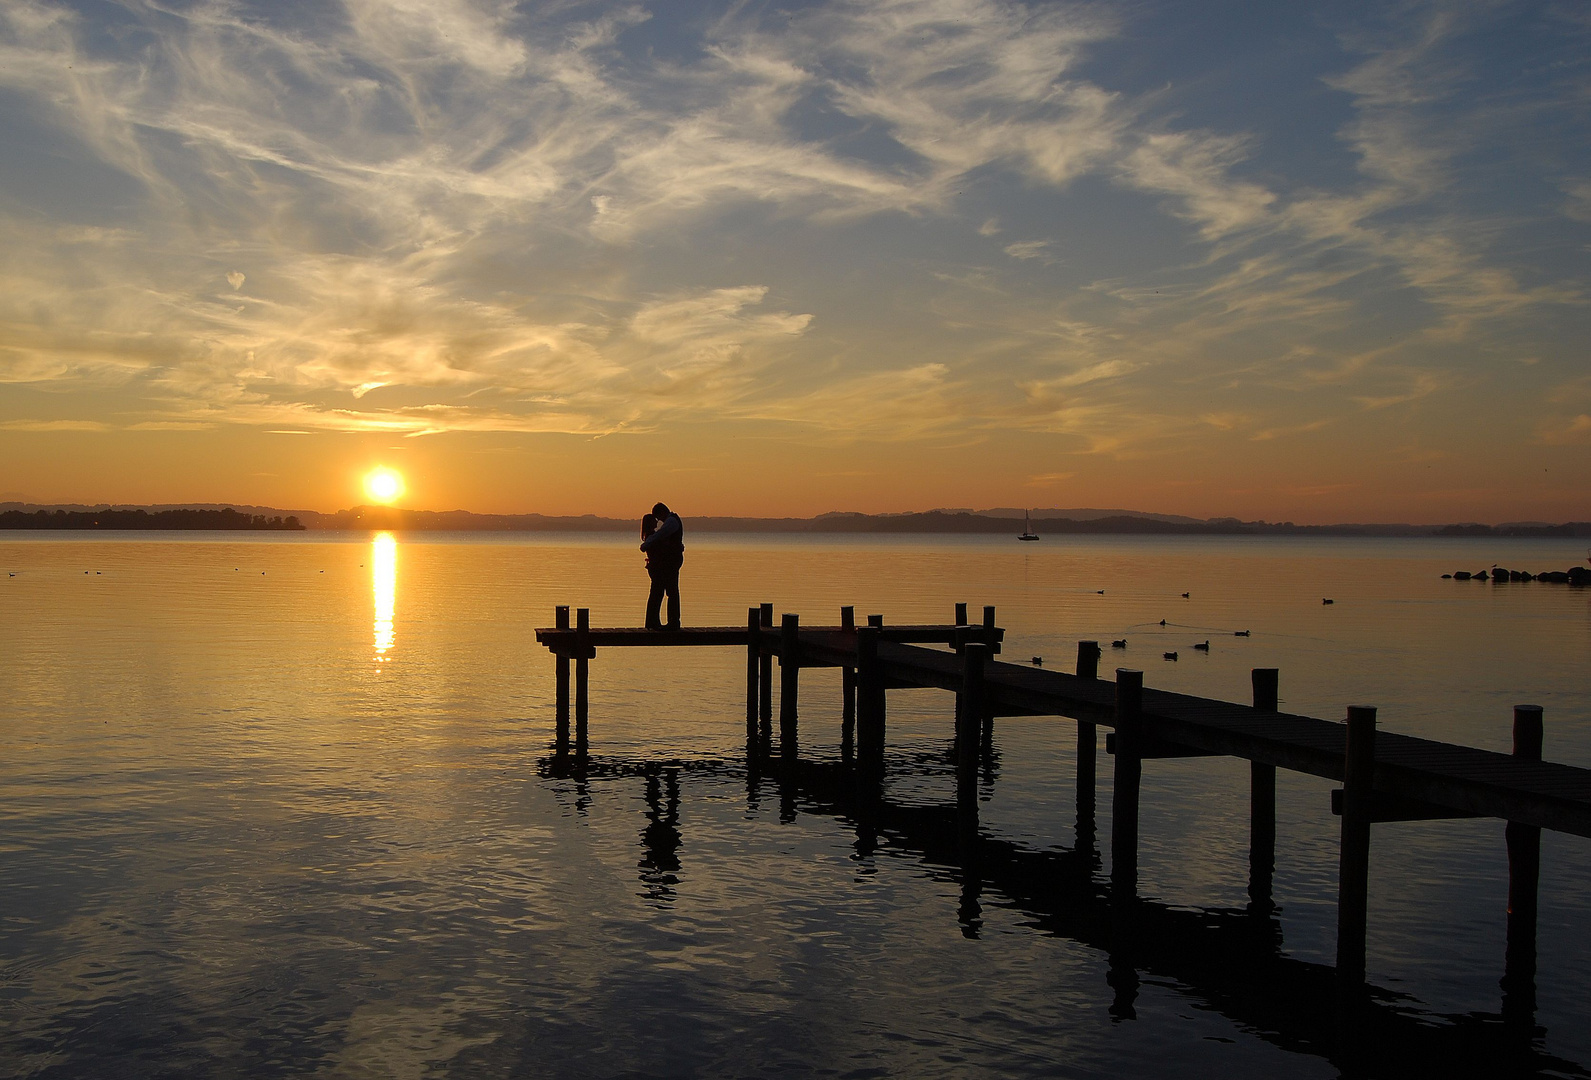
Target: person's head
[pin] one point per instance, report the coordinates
(661, 510)
(648, 525)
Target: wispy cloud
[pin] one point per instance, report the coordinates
(423, 216)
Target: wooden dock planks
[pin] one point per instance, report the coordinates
(1463, 779)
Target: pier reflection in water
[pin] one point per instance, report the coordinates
(1229, 960)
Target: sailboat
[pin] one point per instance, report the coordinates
(1027, 527)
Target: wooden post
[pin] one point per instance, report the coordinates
(1129, 772)
(1087, 750)
(789, 674)
(753, 662)
(765, 617)
(1088, 659)
(1353, 875)
(869, 698)
(1262, 805)
(961, 614)
(847, 691)
(875, 620)
(987, 718)
(973, 658)
(582, 675)
(560, 620)
(1524, 871)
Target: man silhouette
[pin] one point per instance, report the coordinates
(666, 548)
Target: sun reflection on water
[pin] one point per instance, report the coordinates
(384, 589)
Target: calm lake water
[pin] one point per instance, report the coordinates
(279, 805)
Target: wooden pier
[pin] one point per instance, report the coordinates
(1386, 777)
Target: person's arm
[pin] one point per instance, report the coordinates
(671, 527)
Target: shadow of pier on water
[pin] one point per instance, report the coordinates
(1229, 960)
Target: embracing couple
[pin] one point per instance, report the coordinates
(663, 540)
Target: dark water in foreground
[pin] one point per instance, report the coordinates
(278, 806)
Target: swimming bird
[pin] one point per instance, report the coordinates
(1162, 622)
(1203, 646)
(1038, 661)
(1184, 596)
(1171, 656)
(1120, 643)
(1328, 601)
(1102, 592)
(1240, 633)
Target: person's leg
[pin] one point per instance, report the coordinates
(673, 598)
(654, 600)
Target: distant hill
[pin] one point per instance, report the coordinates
(1075, 514)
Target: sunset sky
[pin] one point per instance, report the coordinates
(1307, 262)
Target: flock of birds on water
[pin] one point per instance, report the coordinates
(1198, 646)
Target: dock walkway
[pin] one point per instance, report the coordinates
(1386, 776)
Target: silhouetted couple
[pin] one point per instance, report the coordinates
(663, 540)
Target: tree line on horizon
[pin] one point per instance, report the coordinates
(227, 519)
(933, 521)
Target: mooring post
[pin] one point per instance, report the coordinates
(582, 674)
(765, 618)
(789, 675)
(1087, 751)
(1353, 875)
(972, 700)
(560, 620)
(1262, 805)
(961, 614)
(1524, 875)
(1129, 772)
(869, 697)
(847, 690)
(753, 662)
(875, 621)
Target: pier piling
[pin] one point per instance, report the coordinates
(869, 697)
(973, 706)
(986, 719)
(560, 619)
(1262, 804)
(789, 680)
(1087, 751)
(1524, 872)
(582, 676)
(1129, 772)
(765, 620)
(753, 663)
(847, 691)
(1353, 875)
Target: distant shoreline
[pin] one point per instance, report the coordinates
(960, 522)
(139, 520)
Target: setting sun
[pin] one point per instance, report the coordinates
(383, 485)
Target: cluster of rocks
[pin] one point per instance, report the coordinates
(1575, 575)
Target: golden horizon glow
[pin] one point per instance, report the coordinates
(384, 485)
(384, 590)
(962, 253)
